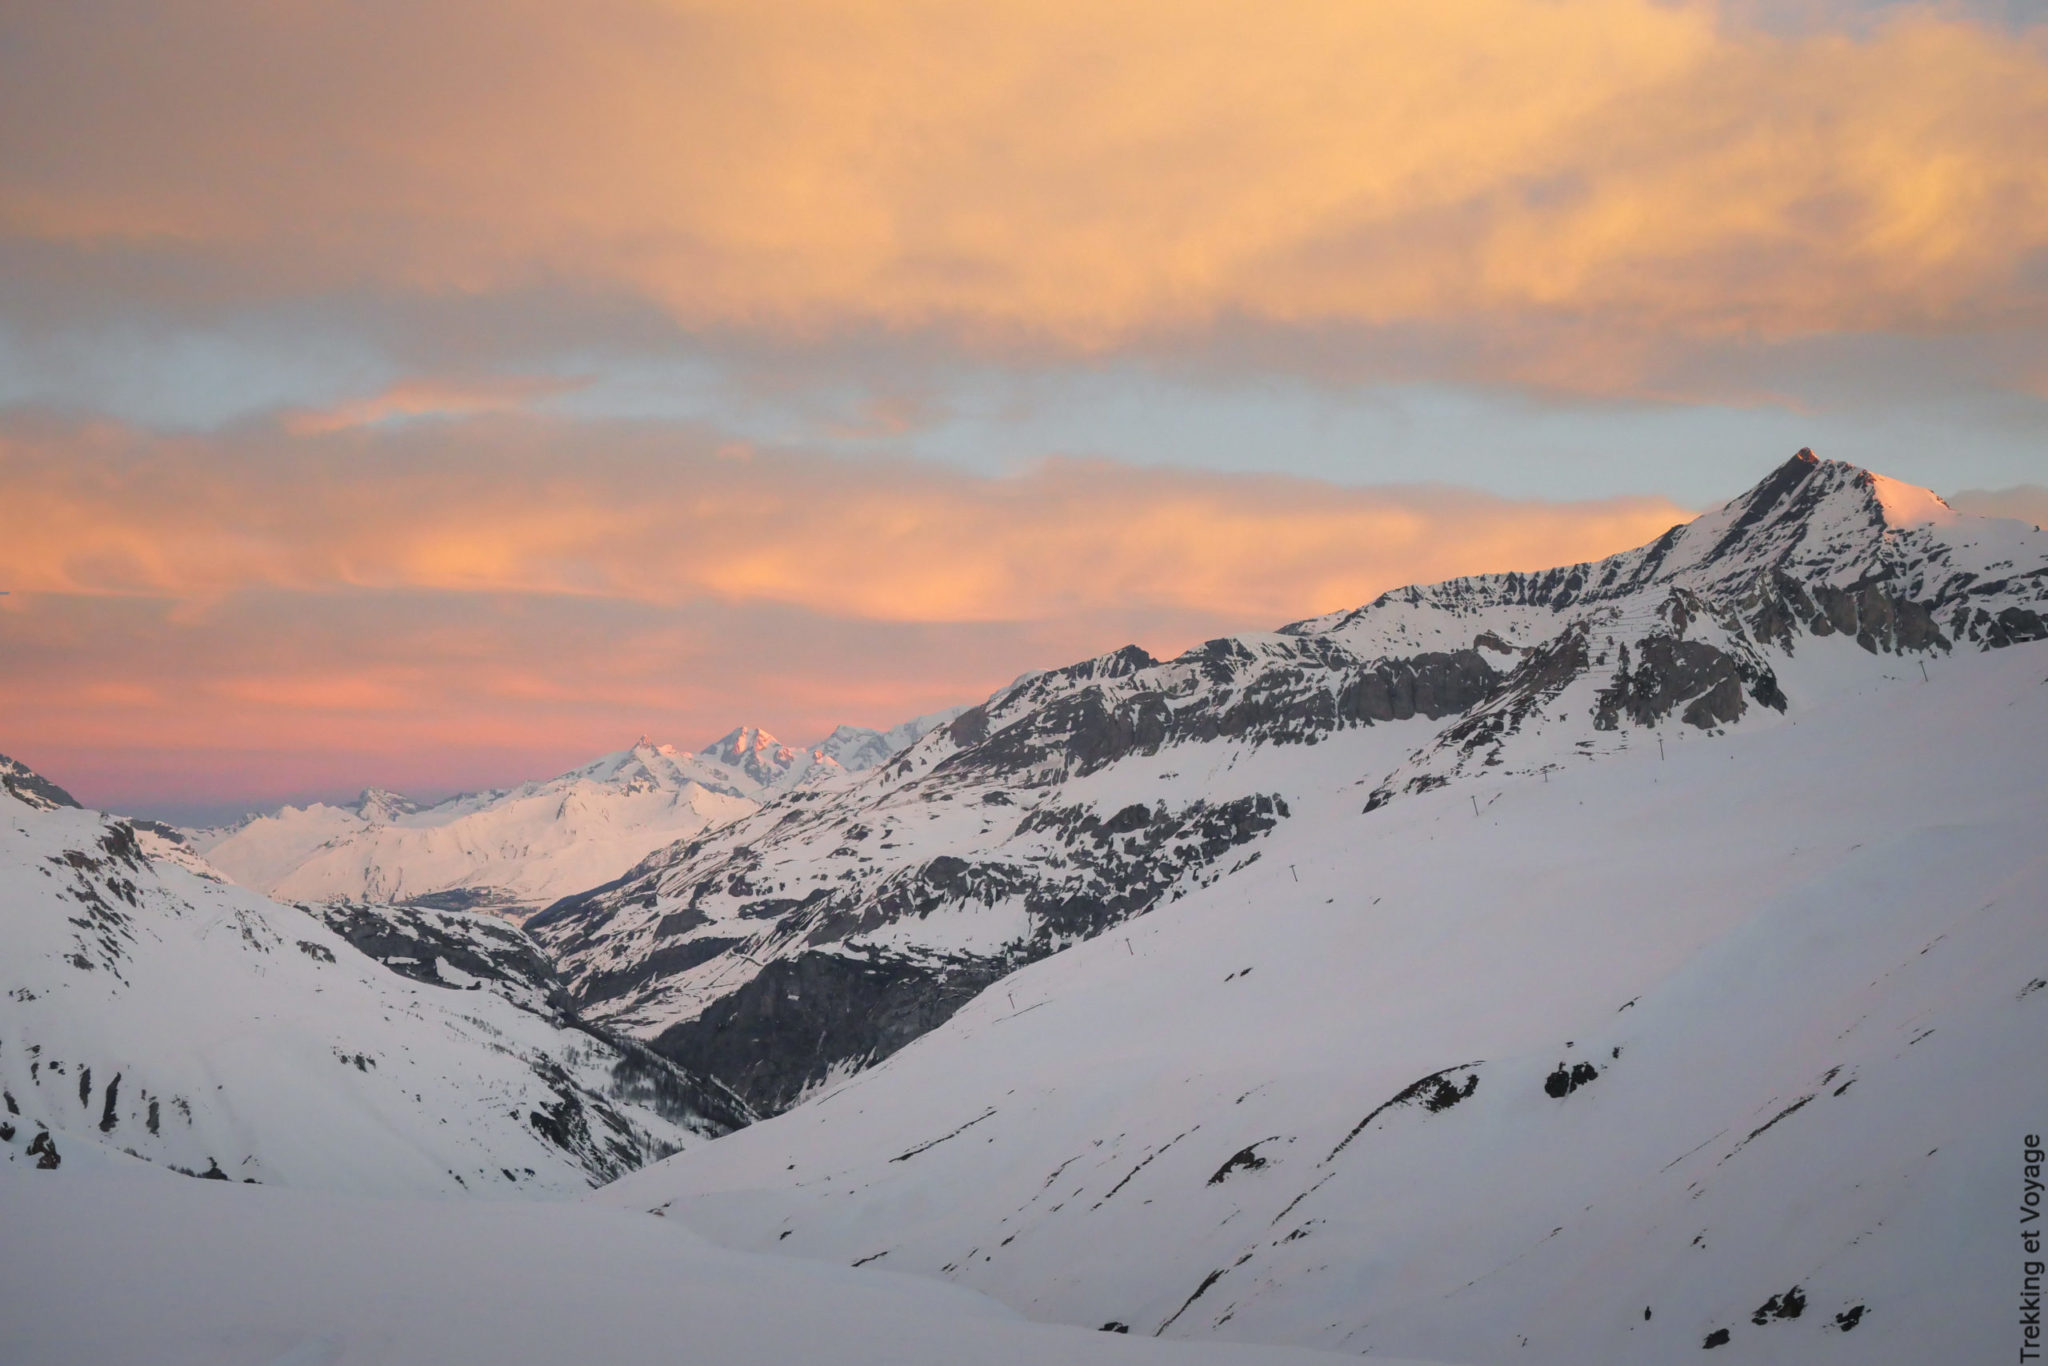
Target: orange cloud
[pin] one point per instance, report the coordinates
(415, 398)
(656, 517)
(255, 614)
(1056, 173)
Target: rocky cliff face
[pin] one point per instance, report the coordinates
(839, 922)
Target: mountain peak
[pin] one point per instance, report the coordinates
(754, 752)
(23, 783)
(1827, 497)
(381, 807)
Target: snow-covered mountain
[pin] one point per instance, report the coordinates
(1733, 1049)
(826, 930)
(147, 1005)
(515, 850)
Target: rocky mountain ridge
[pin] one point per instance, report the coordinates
(823, 932)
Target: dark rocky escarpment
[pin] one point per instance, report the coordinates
(786, 1028)
(1711, 685)
(1873, 613)
(416, 942)
(1219, 691)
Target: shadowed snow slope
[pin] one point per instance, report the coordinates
(149, 1006)
(1604, 1063)
(109, 1268)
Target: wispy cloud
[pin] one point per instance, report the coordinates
(415, 399)
(661, 515)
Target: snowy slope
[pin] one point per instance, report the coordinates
(839, 922)
(123, 1266)
(516, 850)
(149, 1006)
(1732, 1049)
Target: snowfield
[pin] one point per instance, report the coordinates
(120, 1267)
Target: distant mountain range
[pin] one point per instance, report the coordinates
(515, 850)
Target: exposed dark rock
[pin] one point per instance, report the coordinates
(108, 1116)
(950, 1134)
(661, 962)
(1717, 1338)
(44, 1150)
(1712, 685)
(414, 942)
(1434, 1093)
(1321, 689)
(1789, 1305)
(784, 1030)
(1566, 1080)
(1200, 1291)
(1244, 1159)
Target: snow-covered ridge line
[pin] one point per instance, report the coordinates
(513, 850)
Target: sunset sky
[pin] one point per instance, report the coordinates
(436, 395)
